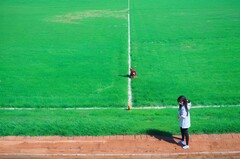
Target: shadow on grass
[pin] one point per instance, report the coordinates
(125, 76)
(163, 135)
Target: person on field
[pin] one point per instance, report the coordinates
(184, 119)
(133, 73)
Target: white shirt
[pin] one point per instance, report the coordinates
(185, 120)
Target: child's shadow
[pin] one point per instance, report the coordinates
(163, 135)
(126, 76)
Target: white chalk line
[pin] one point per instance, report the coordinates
(121, 154)
(55, 142)
(129, 59)
(192, 107)
(136, 108)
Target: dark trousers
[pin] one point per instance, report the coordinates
(184, 133)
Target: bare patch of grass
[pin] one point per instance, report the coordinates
(74, 17)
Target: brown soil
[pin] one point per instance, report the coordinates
(122, 147)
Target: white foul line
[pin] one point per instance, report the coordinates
(56, 142)
(129, 154)
(136, 108)
(192, 107)
(129, 59)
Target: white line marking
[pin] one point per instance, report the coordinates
(192, 107)
(93, 108)
(129, 154)
(129, 59)
(26, 141)
(106, 108)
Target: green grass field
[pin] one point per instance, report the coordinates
(116, 122)
(74, 54)
(63, 54)
(186, 47)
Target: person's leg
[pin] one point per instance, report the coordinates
(182, 133)
(186, 135)
(185, 131)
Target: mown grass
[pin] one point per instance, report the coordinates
(74, 54)
(63, 54)
(186, 48)
(43, 122)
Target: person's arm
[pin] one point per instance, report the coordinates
(189, 105)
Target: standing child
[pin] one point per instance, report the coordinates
(184, 118)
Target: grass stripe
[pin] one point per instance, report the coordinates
(49, 122)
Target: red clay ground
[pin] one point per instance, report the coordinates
(121, 147)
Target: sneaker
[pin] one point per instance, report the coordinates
(181, 142)
(185, 147)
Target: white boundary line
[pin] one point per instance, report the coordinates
(55, 142)
(134, 154)
(129, 60)
(106, 108)
(192, 107)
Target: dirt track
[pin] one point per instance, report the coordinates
(136, 146)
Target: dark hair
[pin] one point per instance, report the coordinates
(185, 102)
